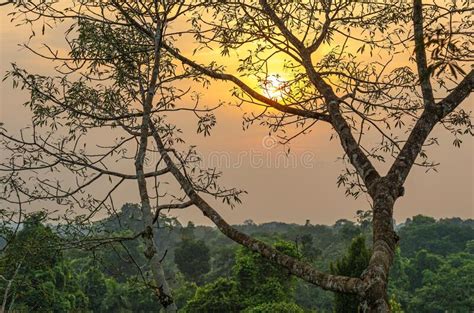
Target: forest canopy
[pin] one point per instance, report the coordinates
(236, 279)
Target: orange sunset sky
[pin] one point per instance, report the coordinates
(291, 193)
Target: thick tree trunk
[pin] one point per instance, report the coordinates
(384, 244)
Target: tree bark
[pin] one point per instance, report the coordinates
(385, 241)
(163, 290)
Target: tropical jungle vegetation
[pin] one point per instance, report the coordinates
(208, 272)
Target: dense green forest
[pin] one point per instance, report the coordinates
(43, 272)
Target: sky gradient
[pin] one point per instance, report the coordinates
(302, 187)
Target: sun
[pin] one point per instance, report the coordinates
(275, 87)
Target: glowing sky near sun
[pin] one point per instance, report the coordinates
(284, 194)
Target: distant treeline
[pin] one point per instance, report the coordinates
(45, 272)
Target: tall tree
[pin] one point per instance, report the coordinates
(344, 85)
(334, 53)
(112, 77)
